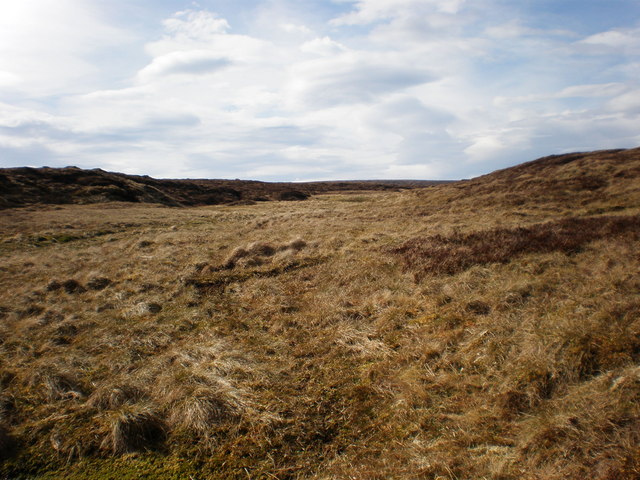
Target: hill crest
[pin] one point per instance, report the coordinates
(28, 186)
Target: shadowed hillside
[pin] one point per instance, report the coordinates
(607, 178)
(488, 328)
(71, 185)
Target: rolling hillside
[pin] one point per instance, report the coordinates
(488, 328)
(72, 185)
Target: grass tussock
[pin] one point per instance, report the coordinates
(440, 254)
(56, 383)
(112, 397)
(258, 253)
(8, 444)
(200, 408)
(134, 428)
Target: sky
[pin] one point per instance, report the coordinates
(297, 90)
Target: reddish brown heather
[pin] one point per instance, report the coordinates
(438, 254)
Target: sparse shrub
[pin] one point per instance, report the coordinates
(145, 308)
(478, 307)
(297, 244)
(292, 195)
(261, 249)
(98, 283)
(8, 443)
(50, 316)
(73, 286)
(31, 310)
(235, 255)
(67, 328)
(53, 285)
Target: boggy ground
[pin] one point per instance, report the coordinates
(319, 340)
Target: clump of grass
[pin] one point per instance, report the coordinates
(72, 286)
(296, 244)
(98, 283)
(262, 249)
(144, 308)
(57, 384)
(440, 254)
(8, 443)
(203, 407)
(236, 254)
(111, 397)
(134, 428)
(256, 253)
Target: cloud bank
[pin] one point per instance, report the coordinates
(338, 90)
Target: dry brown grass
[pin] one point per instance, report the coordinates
(218, 347)
(133, 428)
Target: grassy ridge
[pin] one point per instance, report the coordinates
(72, 185)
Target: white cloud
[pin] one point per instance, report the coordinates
(13, 117)
(292, 28)
(45, 44)
(352, 77)
(195, 25)
(485, 147)
(390, 88)
(627, 103)
(192, 62)
(9, 79)
(594, 90)
(515, 29)
(601, 90)
(323, 46)
(619, 40)
(370, 11)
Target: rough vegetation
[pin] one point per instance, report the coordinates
(29, 186)
(484, 329)
(457, 252)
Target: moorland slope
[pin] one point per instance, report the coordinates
(488, 328)
(72, 185)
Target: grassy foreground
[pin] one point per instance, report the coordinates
(482, 329)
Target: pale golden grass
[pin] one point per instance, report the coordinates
(289, 342)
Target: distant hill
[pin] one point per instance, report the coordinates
(28, 186)
(606, 180)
